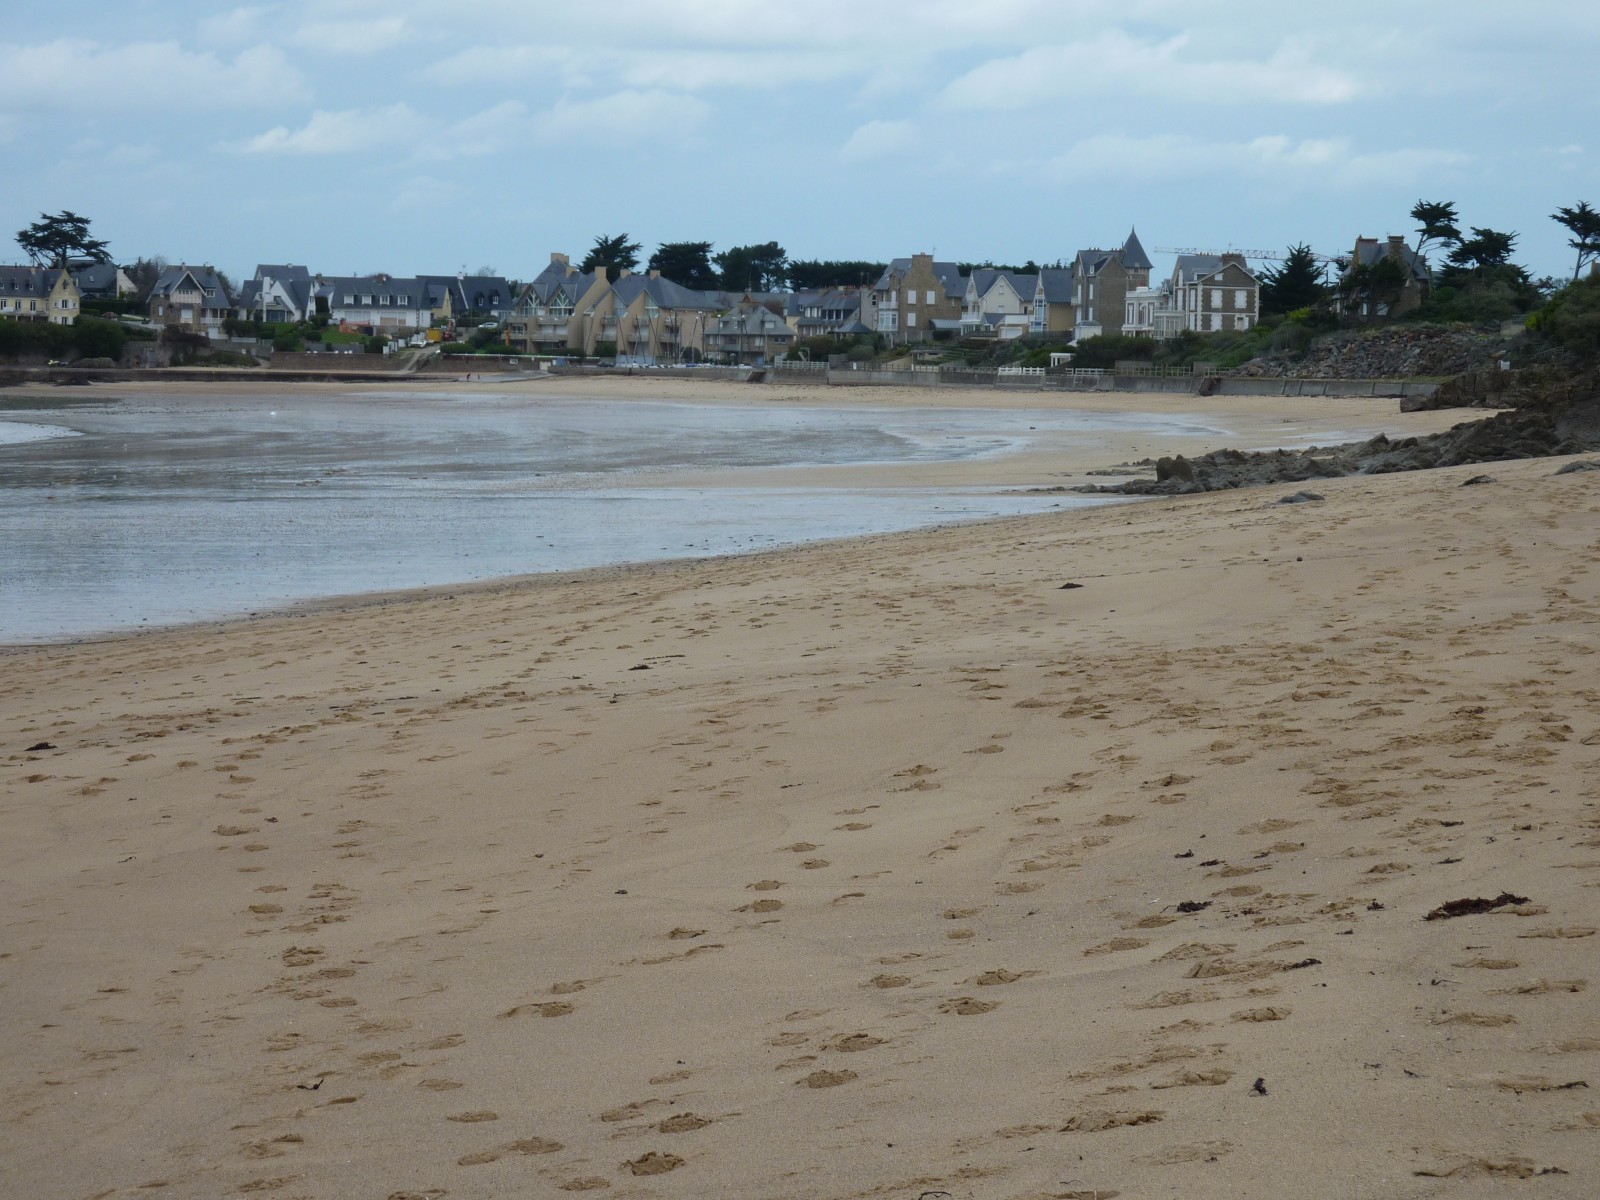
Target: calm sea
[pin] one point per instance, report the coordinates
(125, 514)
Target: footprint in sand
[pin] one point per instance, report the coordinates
(1002, 976)
(653, 1163)
(1118, 945)
(473, 1118)
(686, 1122)
(889, 981)
(554, 1008)
(1100, 1120)
(852, 1043)
(968, 1006)
(827, 1079)
(760, 906)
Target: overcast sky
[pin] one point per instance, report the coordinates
(416, 136)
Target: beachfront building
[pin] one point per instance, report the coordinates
(827, 312)
(277, 294)
(659, 321)
(483, 297)
(1206, 293)
(103, 281)
(1101, 281)
(1412, 279)
(385, 303)
(1213, 294)
(998, 304)
(190, 298)
(541, 314)
(916, 299)
(1052, 302)
(751, 334)
(42, 295)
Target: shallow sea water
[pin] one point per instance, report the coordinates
(128, 515)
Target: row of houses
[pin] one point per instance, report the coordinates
(646, 319)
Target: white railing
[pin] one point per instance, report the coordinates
(1020, 371)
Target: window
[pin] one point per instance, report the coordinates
(1240, 299)
(911, 320)
(1216, 297)
(911, 297)
(930, 297)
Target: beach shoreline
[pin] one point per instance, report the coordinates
(1114, 431)
(1000, 859)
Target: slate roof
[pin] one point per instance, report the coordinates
(1190, 267)
(1057, 284)
(1370, 250)
(337, 287)
(948, 274)
(97, 278)
(750, 321)
(1133, 256)
(28, 282)
(664, 292)
(206, 277)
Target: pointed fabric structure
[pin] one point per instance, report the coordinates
(1133, 256)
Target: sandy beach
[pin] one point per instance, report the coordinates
(1068, 856)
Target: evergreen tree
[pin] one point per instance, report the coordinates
(1583, 223)
(60, 239)
(688, 263)
(1296, 283)
(811, 274)
(1436, 222)
(615, 254)
(761, 268)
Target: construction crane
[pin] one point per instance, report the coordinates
(1267, 255)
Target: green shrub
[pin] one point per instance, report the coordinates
(229, 358)
(1571, 319)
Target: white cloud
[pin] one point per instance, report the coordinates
(236, 26)
(489, 132)
(1116, 60)
(878, 140)
(1324, 161)
(425, 193)
(348, 132)
(626, 116)
(364, 36)
(141, 76)
(509, 64)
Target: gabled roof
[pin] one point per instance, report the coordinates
(28, 281)
(665, 293)
(283, 272)
(948, 274)
(756, 319)
(1190, 267)
(1056, 283)
(1370, 250)
(97, 277)
(337, 287)
(203, 277)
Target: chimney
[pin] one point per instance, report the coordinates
(655, 274)
(559, 260)
(1231, 257)
(1397, 246)
(623, 272)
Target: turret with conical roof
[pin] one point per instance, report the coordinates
(1133, 256)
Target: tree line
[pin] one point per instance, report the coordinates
(762, 267)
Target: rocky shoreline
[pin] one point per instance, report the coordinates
(1552, 416)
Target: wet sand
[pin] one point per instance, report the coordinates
(869, 868)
